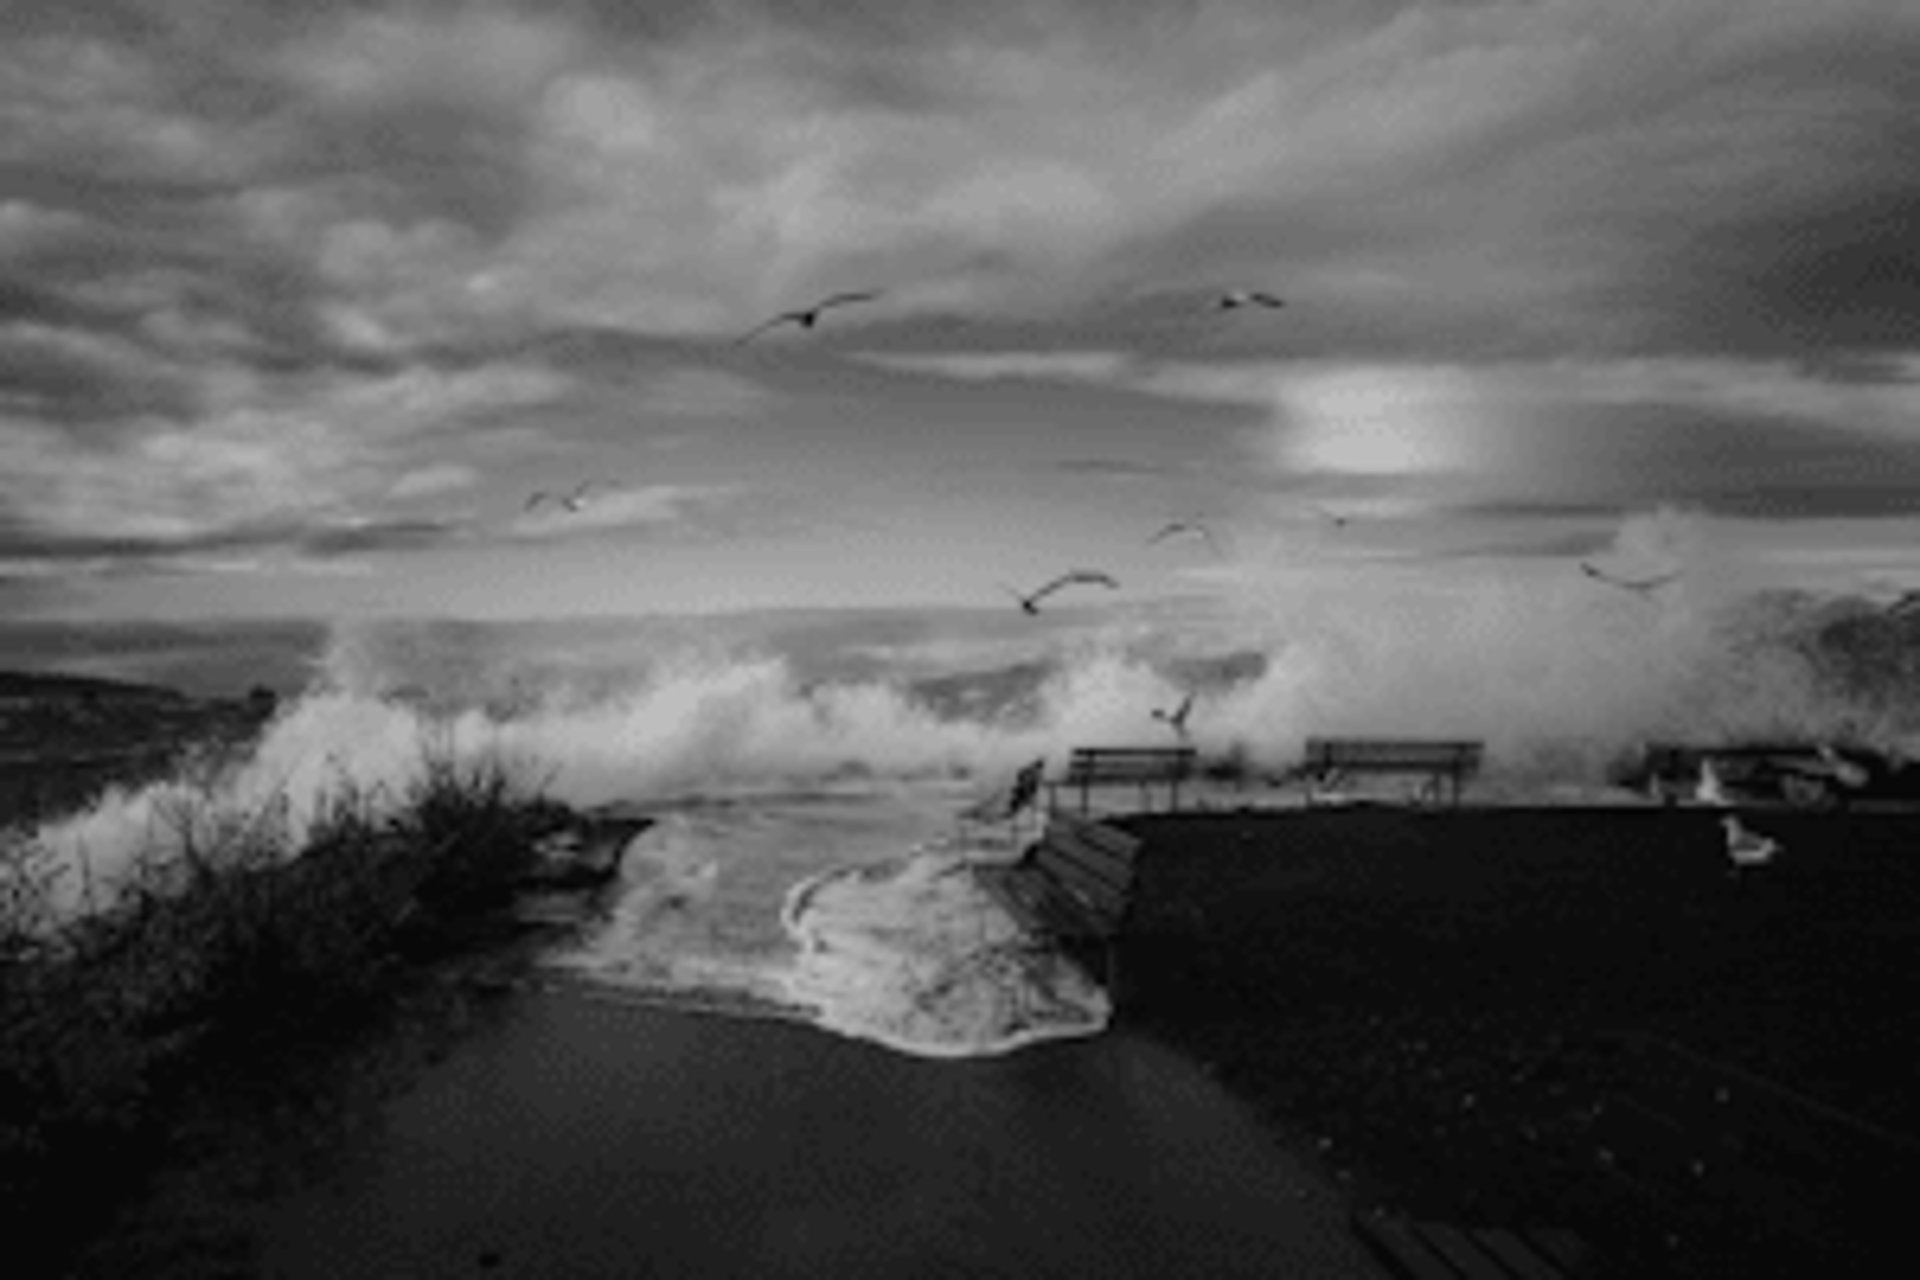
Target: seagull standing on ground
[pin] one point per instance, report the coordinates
(1233, 299)
(808, 317)
(1173, 528)
(575, 501)
(1747, 848)
(1709, 790)
(1845, 772)
(1030, 603)
(1644, 586)
(1176, 719)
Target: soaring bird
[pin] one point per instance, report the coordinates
(1645, 586)
(1031, 602)
(575, 501)
(1173, 528)
(808, 317)
(1235, 298)
(1177, 718)
(1336, 520)
(1747, 848)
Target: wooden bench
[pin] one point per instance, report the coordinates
(1071, 887)
(1089, 767)
(1703, 1164)
(1443, 1251)
(1329, 761)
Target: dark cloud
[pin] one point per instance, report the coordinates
(20, 540)
(66, 375)
(1523, 508)
(1777, 499)
(1550, 547)
(1845, 278)
(607, 353)
(400, 164)
(1123, 468)
(23, 594)
(239, 237)
(22, 300)
(321, 539)
(379, 536)
(1737, 464)
(222, 658)
(1606, 460)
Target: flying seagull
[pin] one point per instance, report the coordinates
(808, 317)
(575, 501)
(1645, 586)
(1031, 603)
(1177, 718)
(1338, 521)
(1173, 528)
(1747, 848)
(1236, 298)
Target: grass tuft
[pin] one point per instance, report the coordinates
(231, 928)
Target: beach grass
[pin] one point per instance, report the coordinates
(231, 934)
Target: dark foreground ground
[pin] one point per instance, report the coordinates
(547, 1133)
(1413, 994)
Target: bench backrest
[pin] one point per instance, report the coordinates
(1130, 764)
(1091, 862)
(1387, 753)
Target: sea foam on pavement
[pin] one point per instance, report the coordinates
(918, 957)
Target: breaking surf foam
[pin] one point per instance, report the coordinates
(808, 908)
(920, 959)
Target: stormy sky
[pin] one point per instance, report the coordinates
(299, 303)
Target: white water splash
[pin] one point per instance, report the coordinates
(920, 959)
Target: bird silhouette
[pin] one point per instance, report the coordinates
(1174, 528)
(1177, 718)
(575, 501)
(1030, 603)
(1233, 299)
(1336, 520)
(808, 317)
(1643, 586)
(1747, 848)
